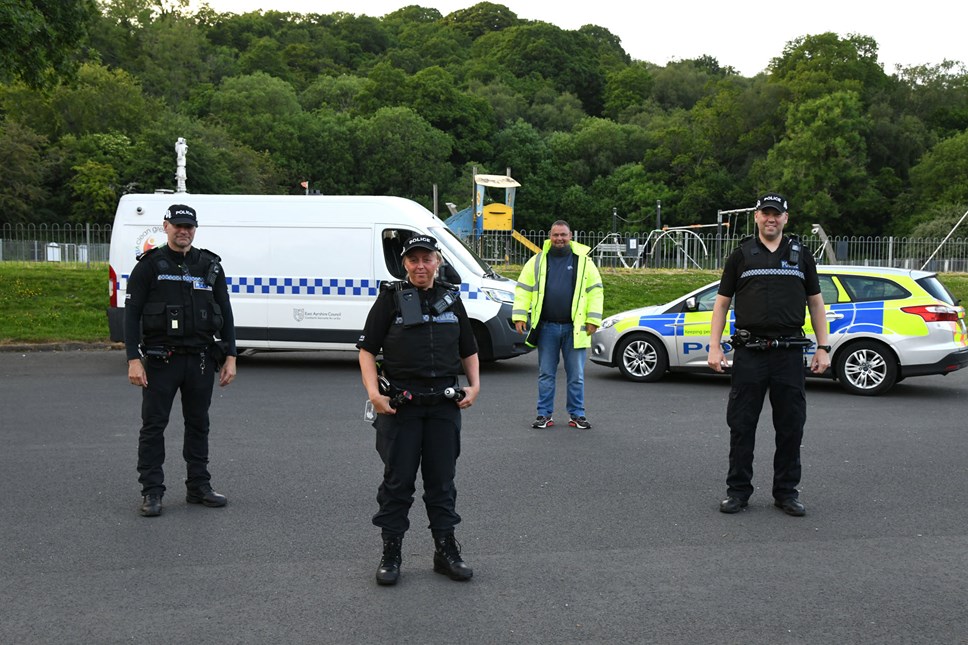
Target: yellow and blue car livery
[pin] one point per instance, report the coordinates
(884, 325)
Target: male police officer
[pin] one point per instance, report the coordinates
(177, 301)
(773, 279)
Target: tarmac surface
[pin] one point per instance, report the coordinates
(609, 535)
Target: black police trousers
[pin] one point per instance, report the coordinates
(424, 436)
(194, 376)
(753, 373)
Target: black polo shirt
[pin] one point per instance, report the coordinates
(770, 291)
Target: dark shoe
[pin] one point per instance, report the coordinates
(579, 422)
(791, 506)
(543, 422)
(732, 505)
(447, 558)
(150, 506)
(206, 496)
(389, 570)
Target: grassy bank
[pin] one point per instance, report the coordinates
(43, 302)
(53, 303)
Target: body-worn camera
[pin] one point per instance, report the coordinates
(408, 302)
(445, 302)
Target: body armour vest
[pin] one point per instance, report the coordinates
(771, 290)
(425, 351)
(180, 309)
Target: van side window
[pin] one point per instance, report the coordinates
(393, 241)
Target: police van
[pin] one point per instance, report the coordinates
(303, 271)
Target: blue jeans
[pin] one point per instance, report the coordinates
(555, 339)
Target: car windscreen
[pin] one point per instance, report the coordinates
(933, 286)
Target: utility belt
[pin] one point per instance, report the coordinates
(743, 338)
(165, 352)
(400, 396)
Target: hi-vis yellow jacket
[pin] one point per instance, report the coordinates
(586, 304)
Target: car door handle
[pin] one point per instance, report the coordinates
(833, 315)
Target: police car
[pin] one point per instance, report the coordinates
(885, 325)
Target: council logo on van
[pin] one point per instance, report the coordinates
(150, 238)
(299, 314)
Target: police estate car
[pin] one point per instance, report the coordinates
(885, 325)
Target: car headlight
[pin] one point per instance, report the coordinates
(498, 295)
(608, 322)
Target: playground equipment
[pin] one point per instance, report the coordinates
(471, 222)
(675, 245)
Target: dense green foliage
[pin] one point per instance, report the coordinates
(399, 103)
(59, 303)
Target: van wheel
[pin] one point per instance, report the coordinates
(485, 349)
(642, 358)
(866, 368)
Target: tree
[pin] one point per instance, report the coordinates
(812, 66)
(482, 18)
(567, 59)
(22, 172)
(94, 192)
(399, 153)
(627, 88)
(941, 177)
(39, 39)
(96, 100)
(821, 165)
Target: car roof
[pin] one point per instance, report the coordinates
(915, 274)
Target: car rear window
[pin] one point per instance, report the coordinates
(933, 286)
(862, 288)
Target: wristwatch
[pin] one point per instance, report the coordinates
(825, 348)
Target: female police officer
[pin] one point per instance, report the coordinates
(426, 337)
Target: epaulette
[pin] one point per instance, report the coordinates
(392, 285)
(142, 256)
(208, 255)
(446, 285)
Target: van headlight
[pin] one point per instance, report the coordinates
(498, 295)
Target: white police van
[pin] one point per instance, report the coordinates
(303, 271)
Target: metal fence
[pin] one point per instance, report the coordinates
(663, 249)
(687, 249)
(68, 243)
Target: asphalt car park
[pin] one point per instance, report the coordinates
(602, 536)
(885, 325)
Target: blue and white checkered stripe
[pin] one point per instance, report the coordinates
(749, 273)
(467, 293)
(302, 286)
(308, 286)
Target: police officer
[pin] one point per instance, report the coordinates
(177, 303)
(774, 279)
(426, 337)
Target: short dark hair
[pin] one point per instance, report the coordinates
(561, 222)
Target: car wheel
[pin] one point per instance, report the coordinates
(866, 368)
(642, 358)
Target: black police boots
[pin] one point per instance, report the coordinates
(389, 570)
(447, 558)
(205, 495)
(150, 506)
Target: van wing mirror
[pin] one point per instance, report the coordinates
(449, 274)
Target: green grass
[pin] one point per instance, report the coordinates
(53, 303)
(43, 302)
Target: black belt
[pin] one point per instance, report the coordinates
(187, 350)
